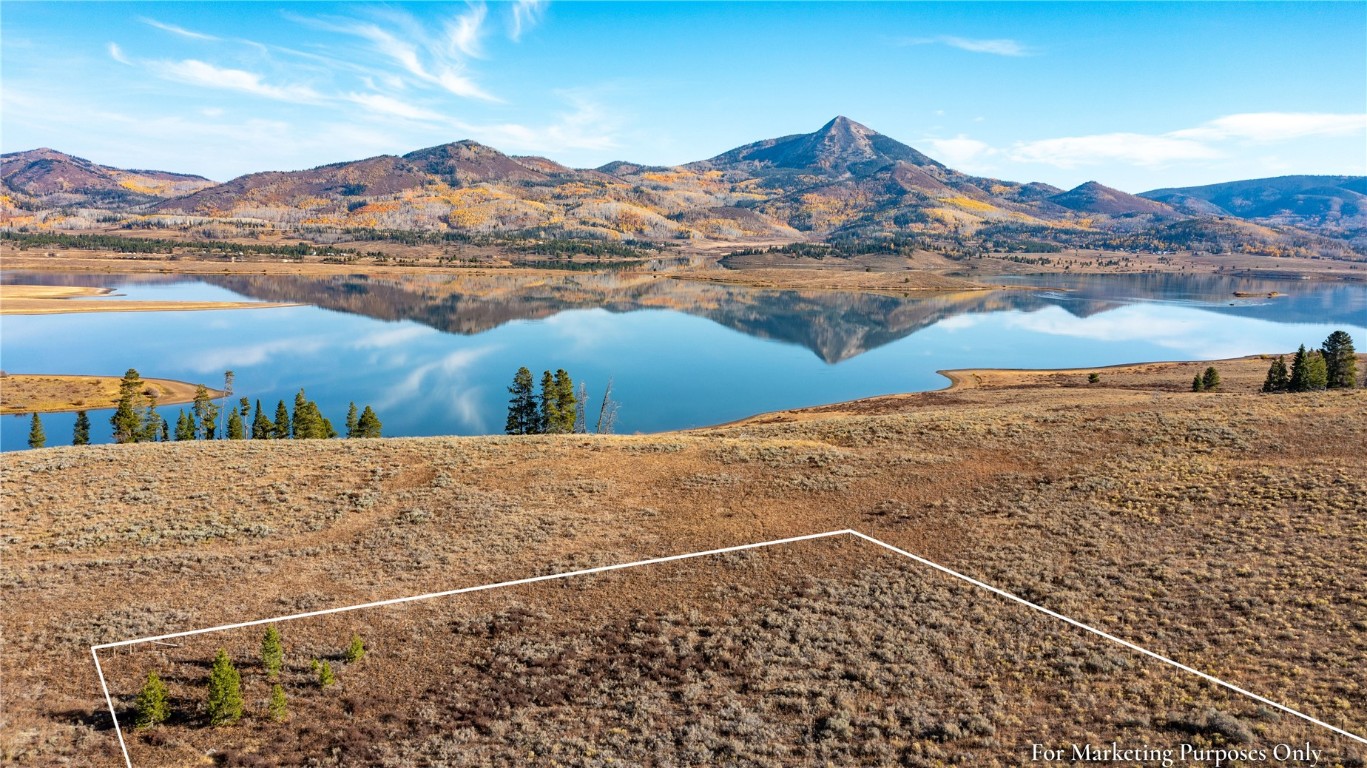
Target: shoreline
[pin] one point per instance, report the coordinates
(19, 299)
(61, 391)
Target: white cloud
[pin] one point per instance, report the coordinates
(587, 126)
(426, 60)
(175, 30)
(393, 337)
(960, 151)
(526, 14)
(1127, 148)
(195, 72)
(116, 53)
(996, 47)
(1267, 127)
(388, 105)
(465, 31)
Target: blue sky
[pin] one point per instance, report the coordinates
(1136, 95)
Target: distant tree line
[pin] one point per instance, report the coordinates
(558, 409)
(85, 242)
(136, 420)
(1332, 366)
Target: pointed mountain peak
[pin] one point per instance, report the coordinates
(839, 149)
(844, 125)
(1095, 197)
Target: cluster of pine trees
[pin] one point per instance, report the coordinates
(224, 707)
(1332, 366)
(558, 409)
(136, 419)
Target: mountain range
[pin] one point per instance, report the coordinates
(844, 181)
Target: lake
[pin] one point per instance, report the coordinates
(434, 354)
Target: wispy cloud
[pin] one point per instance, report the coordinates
(1267, 127)
(175, 30)
(587, 125)
(525, 15)
(1128, 148)
(378, 103)
(994, 46)
(116, 53)
(1215, 139)
(206, 75)
(426, 60)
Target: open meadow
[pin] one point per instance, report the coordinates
(1223, 529)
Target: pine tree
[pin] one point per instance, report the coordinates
(278, 709)
(562, 422)
(282, 428)
(127, 418)
(165, 431)
(369, 424)
(244, 408)
(235, 429)
(205, 414)
(1211, 380)
(225, 691)
(80, 434)
(272, 652)
(351, 421)
(261, 426)
(185, 426)
(37, 438)
(151, 706)
(1277, 377)
(1198, 384)
(1340, 361)
(1297, 381)
(1316, 372)
(523, 418)
(355, 651)
(150, 428)
(324, 671)
(550, 405)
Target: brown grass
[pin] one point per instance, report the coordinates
(1222, 529)
(40, 393)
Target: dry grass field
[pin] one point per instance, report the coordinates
(47, 393)
(1225, 530)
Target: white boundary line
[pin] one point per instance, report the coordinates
(95, 649)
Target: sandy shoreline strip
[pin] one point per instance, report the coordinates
(55, 300)
(58, 393)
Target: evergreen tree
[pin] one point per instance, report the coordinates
(561, 420)
(1297, 381)
(261, 426)
(523, 418)
(235, 429)
(351, 421)
(150, 428)
(550, 405)
(244, 408)
(165, 431)
(1210, 381)
(185, 426)
(282, 428)
(127, 418)
(1277, 377)
(37, 438)
(369, 424)
(80, 434)
(356, 650)
(277, 708)
(1198, 384)
(1316, 372)
(272, 652)
(205, 414)
(1340, 361)
(324, 671)
(151, 706)
(225, 691)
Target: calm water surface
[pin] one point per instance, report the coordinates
(434, 356)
